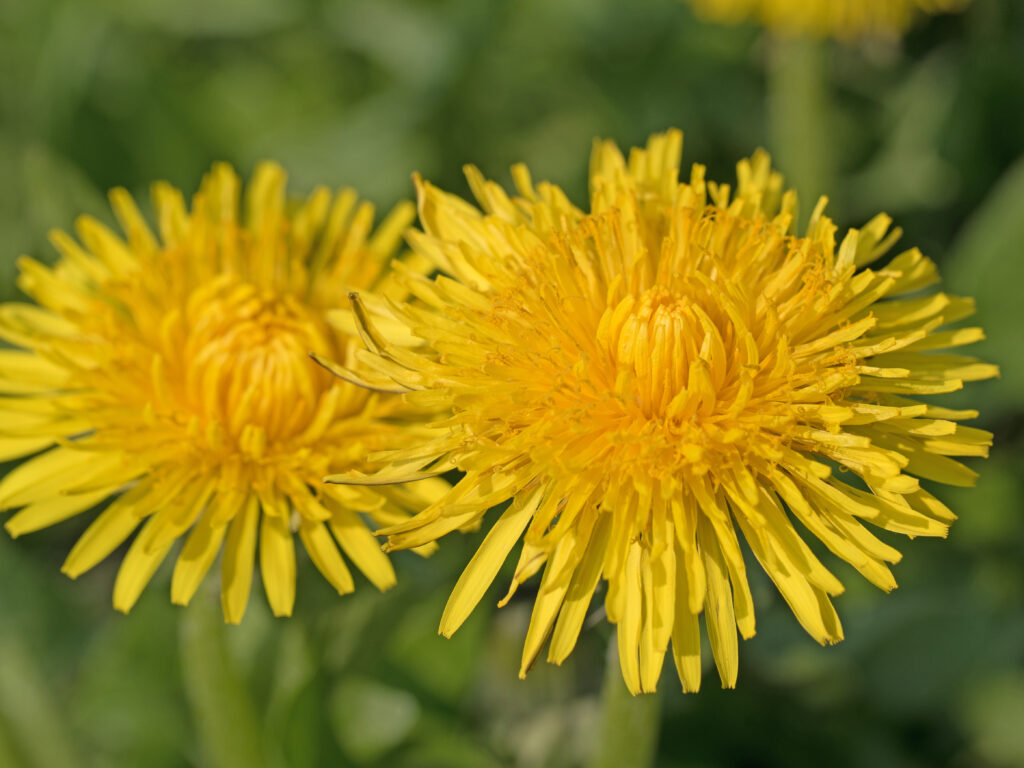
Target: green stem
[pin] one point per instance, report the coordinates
(800, 134)
(230, 734)
(629, 724)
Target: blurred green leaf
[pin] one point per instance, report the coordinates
(908, 171)
(200, 18)
(8, 756)
(294, 668)
(29, 711)
(987, 262)
(444, 745)
(927, 647)
(223, 713)
(344, 626)
(128, 689)
(993, 713)
(55, 194)
(306, 737)
(441, 666)
(990, 512)
(419, 48)
(251, 643)
(64, 64)
(370, 719)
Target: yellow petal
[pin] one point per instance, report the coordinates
(832, 536)
(652, 653)
(277, 564)
(27, 372)
(54, 510)
(324, 554)
(42, 476)
(553, 587)
(663, 591)
(809, 603)
(131, 220)
(719, 524)
(581, 590)
(107, 532)
(239, 559)
(685, 631)
(718, 610)
(487, 560)
(684, 515)
(194, 562)
(362, 547)
(107, 246)
(137, 569)
(630, 622)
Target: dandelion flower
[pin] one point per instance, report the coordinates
(844, 19)
(648, 382)
(170, 375)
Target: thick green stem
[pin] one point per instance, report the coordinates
(800, 133)
(230, 734)
(629, 724)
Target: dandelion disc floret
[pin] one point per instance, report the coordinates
(651, 380)
(170, 374)
(844, 19)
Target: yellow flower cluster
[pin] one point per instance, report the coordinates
(651, 379)
(640, 385)
(169, 373)
(844, 19)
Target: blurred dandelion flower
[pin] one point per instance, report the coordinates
(171, 373)
(651, 380)
(844, 19)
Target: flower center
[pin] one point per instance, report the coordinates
(657, 343)
(246, 362)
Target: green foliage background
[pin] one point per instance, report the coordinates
(361, 92)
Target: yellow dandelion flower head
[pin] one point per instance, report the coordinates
(170, 373)
(844, 19)
(651, 380)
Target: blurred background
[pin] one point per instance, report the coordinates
(362, 92)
